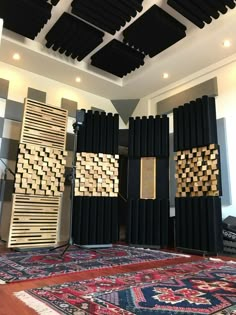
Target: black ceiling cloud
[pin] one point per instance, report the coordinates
(25, 17)
(154, 31)
(73, 37)
(200, 12)
(117, 58)
(109, 15)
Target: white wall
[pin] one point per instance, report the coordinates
(225, 72)
(20, 80)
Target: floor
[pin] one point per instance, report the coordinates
(9, 305)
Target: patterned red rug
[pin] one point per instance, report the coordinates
(205, 287)
(34, 265)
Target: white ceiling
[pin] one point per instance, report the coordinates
(199, 49)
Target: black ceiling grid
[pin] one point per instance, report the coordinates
(200, 12)
(73, 37)
(108, 15)
(117, 58)
(154, 31)
(25, 17)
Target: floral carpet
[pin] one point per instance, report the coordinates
(35, 265)
(203, 287)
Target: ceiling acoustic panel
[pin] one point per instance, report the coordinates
(25, 17)
(154, 31)
(117, 58)
(200, 12)
(73, 37)
(109, 15)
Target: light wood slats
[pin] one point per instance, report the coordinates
(197, 172)
(44, 125)
(96, 175)
(34, 221)
(148, 178)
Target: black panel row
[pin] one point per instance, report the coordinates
(149, 136)
(106, 14)
(199, 224)
(200, 12)
(154, 31)
(195, 124)
(98, 133)
(73, 37)
(25, 17)
(117, 58)
(162, 178)
(148, 222)
(95, 220)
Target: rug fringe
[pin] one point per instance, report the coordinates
(2, 282)
(215, 259)
(40, 307)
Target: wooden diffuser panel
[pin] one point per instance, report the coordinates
(197, 172)
(34, 221)
(97, 175)
(44, 125)
(40, 170)
(148, 178)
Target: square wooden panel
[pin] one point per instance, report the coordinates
(34, 221)
(197, 172)
(44, 125)
(40, 170)
(148, 178)
(97, 175)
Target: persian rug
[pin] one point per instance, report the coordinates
(203, 287)
(35, 265)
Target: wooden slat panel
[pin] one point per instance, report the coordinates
(44, 125)
(148, 178)
(34, 221)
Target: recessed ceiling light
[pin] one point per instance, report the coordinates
(227, 43)
(77, 79)
(165, 75)
(16, 56)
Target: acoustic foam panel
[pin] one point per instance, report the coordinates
(195, 124)
(96, 175)
(34, 221)
(197, 172)
(40, 170)
(148, 178)
(37, 95)
(44, 125)
(117, 58)
(4, 87)
(200, 12)
(25, 17)
(73, 37)
(154, 32)
(106, 14)
(199, 224)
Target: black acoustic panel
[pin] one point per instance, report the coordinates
(162, 178)
(200, 12)
(199, 224)
(195, 124)
(108, 15)
(73, 37)
(154, 31)
(134, 178)
(95, 220)
(149, 137)
(117, 58)
(25, 17)
(148, 222)
(98, 132)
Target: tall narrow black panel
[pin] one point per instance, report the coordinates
(103, 128)
(162, 178)
(197, 222)
(189, 223)
(100, 221)
(137, 137)
(144, 136)
(107, 221)
(157, 135)
(192, 125)
(114, 220)
(150, 136)
(181, 132)
(212, 118)
(89, 132)
(164, 222)
(149, 222)
(109, 133)
(199, 121)
(115, 134)
(92, 221)
(142, 222)
(96, 132)
(203, 210)
(134, 178)
(85, 221)
(134, 237)
(164, 136)
(131, 143)
(156, 222)
(187, 129)
(76, 219)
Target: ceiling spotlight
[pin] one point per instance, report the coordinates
(16, 56)
(227, 43)
(165, 75)
(77, 79)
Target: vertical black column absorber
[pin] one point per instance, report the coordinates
(95, 218)
(198, 203)
(148, 218)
